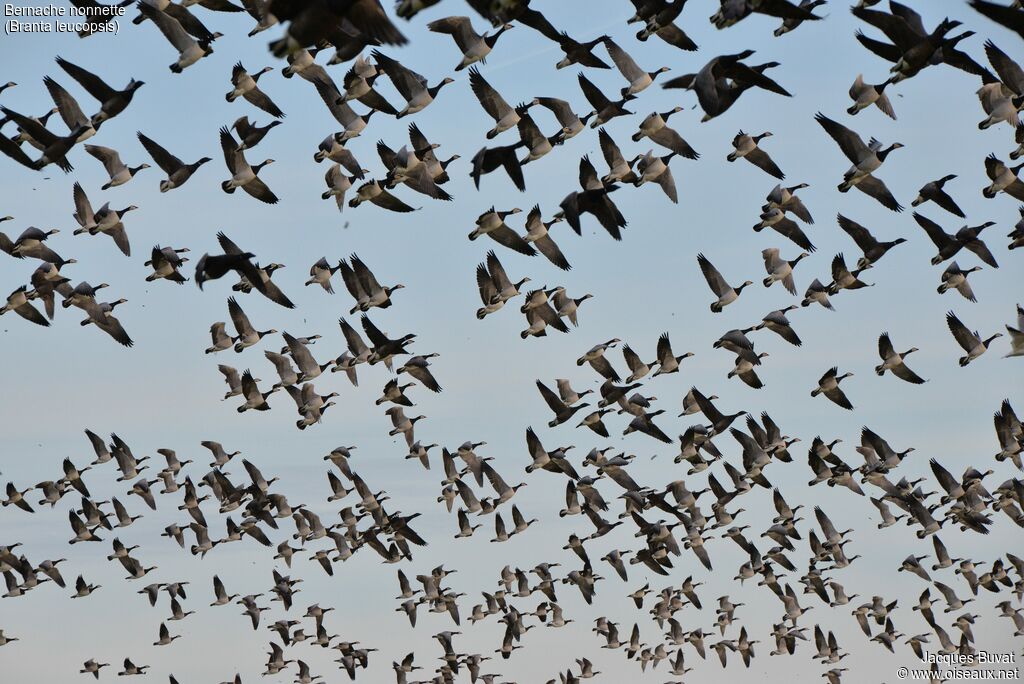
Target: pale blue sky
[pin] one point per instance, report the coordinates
(165, 392)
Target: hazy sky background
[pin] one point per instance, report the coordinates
(165, 392)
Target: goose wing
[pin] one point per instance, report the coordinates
(459, 28)
(492, 102)
(873, 187)
(761, 160)
(849, 142)
(233, 157)
(964, 337)
(714, 279)
(258, 189)
(355, 342)
(936, 234)
(241, 322)
(110, 158)
(407, 82)
(260, 99)
(386, 200)
(68, 107)
(92, 83)
(164, 159)
(623, 62)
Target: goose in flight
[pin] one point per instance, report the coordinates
(1017, 334)
(721, 82)
(245, 85)
(251, 134)
(597, 360)
(112, 101)
(117, 170)
(373, 191)
(419, 368)
(494, 285)
(363, 286)
(873, 249)
(933, 191)
(320, 274)
(659, 20)
(19, 302)
(409, 84)
(604, 109)
(777, 322)
(102, 316)
(731, 12)
(247, 335)
(620, 170)
(131, 668)
(828, 385)
(474, 47)
(180, 13)
(489, 159)
(955, 278)
(69, 110)
(950, 245)
(970, 342)
(265, 284)
(786, 200)
(775, 218)
(843, 278)
(537, 234)
(338, 184)
(637, 78)
(177, 171)
(190, 50)
(579, 53)
(92, 667)
(242, 174)
(213, 267)
(566, 306)
(505, 117)
(864, 95)
(572, 124)
(563, 412)
(593, 199)
(668, 362)
(895, 362)
(254, 398)
(779, 269)
(31, 243)
(866, 159)
(745, 147)
(1017, 234)
(745, 371)
(656, 169)
(358, 84)
(54, 147)
(108, 221)
(655, 127)
(1004, 179)
(492, 224)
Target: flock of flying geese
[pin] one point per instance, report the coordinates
(670, 519)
